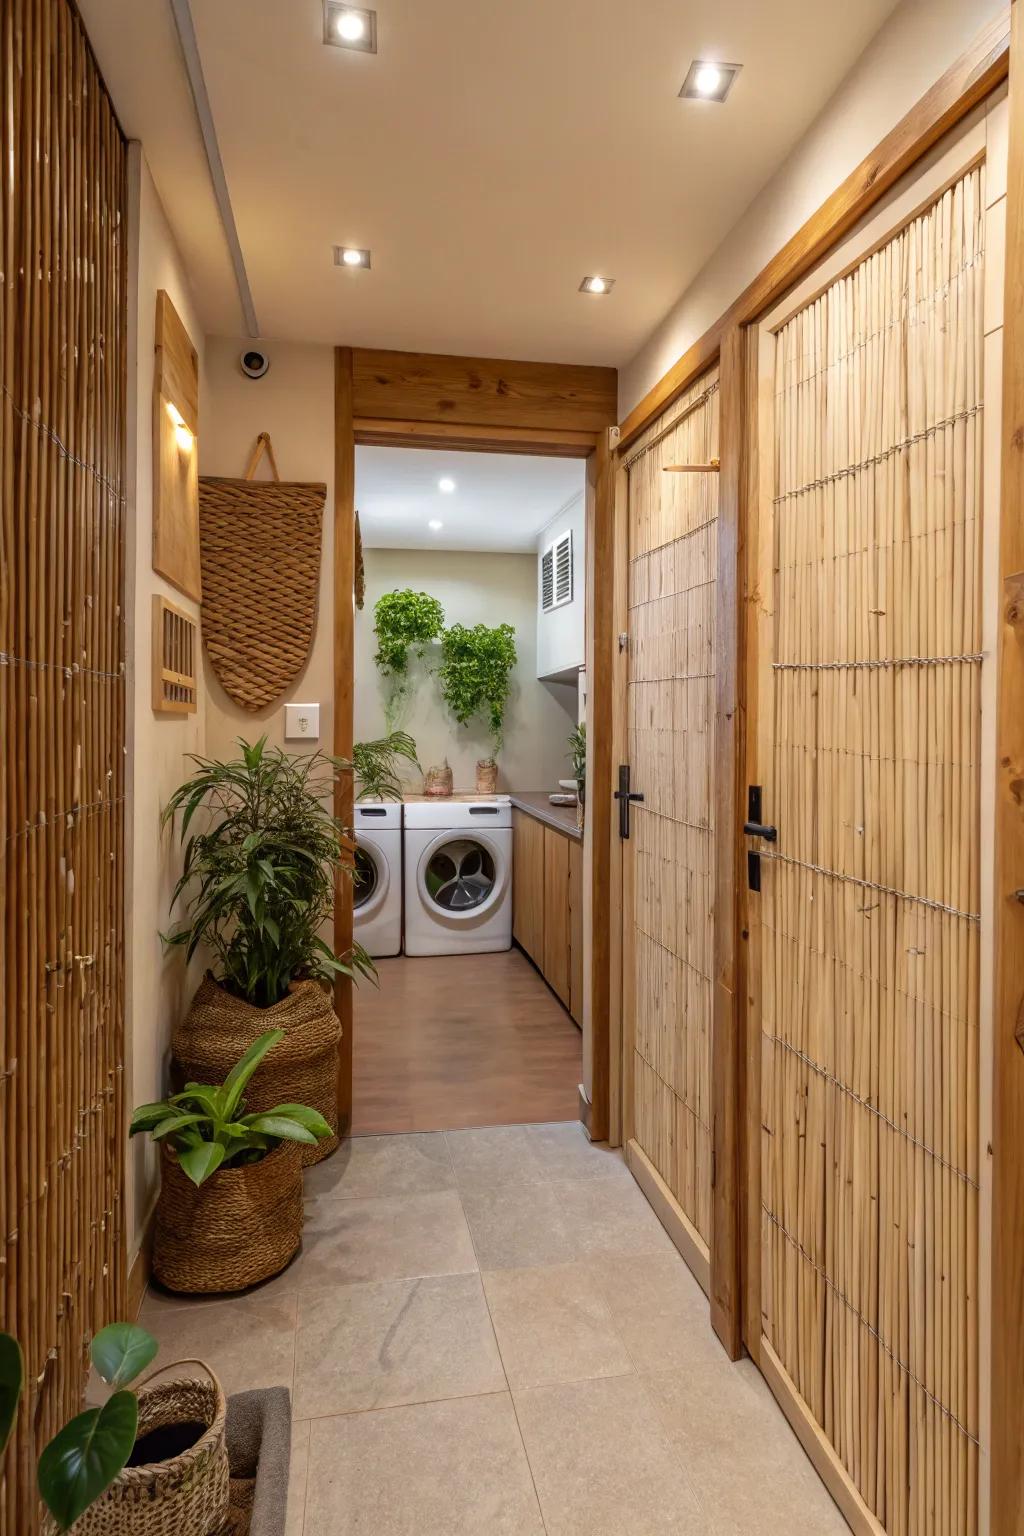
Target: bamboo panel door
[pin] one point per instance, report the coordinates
(669, 857)
(867, 703)
(62, 685)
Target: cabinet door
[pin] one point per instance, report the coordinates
(576, 929)
(528, 884)
(556, 913)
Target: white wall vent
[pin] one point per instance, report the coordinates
(556, 573)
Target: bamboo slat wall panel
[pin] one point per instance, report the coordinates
(672, 579)
(870, 1066)
(62, 433)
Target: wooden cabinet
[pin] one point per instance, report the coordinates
(547, 905)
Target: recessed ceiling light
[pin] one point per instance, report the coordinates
(709, 81)
(597, 284)
(435, 525)
(446, 484)
(350, 256)
(350, 26)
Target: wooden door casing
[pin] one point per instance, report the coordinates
(528, 884)
(556, 964)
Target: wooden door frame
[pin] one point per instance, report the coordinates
(487, 405)
(965, 84)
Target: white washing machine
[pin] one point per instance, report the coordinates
(377, 880)
(458, 876)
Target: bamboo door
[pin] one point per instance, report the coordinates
(868, 575)
(669, 858)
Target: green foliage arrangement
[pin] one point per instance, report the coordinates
(376, 765)
(259, 876)
(84, 1458)
(207, 1125)
(578, 753)
(405, 623)
(475, 673)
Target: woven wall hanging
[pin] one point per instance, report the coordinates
(260, 549)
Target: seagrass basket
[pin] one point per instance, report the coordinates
(301, 1069)
(439, 782)
(186, 1495)
(486, 776)
(240, 1227)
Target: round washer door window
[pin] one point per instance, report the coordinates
(460, 876)
(365, 878)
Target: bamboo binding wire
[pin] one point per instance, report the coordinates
(671, 711)
(869, 906)
(260, 551)
(62, 508)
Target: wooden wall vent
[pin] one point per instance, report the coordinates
(174, 659)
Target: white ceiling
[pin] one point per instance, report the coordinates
(501, 501)
(490, 154)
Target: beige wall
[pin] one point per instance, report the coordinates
(156, 985)
(294, 402)
(919, 42)
(474, 588)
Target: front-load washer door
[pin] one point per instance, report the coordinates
(462, 876)
(371, 878)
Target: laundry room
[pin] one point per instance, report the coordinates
(469, 711)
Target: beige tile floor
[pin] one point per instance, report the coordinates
(488, 1333)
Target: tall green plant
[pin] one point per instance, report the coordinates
(475, 674)
(405, 623)
(258, 877)
(376, 765)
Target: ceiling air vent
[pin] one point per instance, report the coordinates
(556, 574)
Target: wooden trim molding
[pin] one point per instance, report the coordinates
(671, 1215)
(538, 442)
(957, 92)
(344, 694)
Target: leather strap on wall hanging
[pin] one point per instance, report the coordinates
(260, 548)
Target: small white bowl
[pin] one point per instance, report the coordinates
(568, 784)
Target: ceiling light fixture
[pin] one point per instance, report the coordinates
(597, 284)
(350, 26)
(351, 256)
(435, 525)
(709, 81)
(446, 484)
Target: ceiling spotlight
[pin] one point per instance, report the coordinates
(446, 484)
(350, 26)
(435, 525)
(707, 81)
(597, 284)
(350, 256)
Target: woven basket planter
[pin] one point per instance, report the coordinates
(186, 1495)
(240, 1227)
(486, 776)
(302, 1069)
(439, 782)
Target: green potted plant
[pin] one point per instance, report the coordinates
(162, 1449)
(578, 757)
(405, 624)
(229, 1213)
(375, 764)
(263, 851)
(475, 677)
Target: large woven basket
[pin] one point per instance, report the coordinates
(240, 1227)
(184, 1496)
(302, 1069)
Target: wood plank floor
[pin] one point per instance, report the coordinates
(460, 1040)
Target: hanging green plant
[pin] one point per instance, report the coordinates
(405, 623)
(475, 673)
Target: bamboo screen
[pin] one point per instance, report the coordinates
(870, 905)
(62, 679)
(672, 579)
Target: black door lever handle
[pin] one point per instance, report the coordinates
(758, 829)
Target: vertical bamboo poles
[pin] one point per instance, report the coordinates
(869, 911)
(62, 426)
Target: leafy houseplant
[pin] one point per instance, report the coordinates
(578, 754)
(475, 675)
(375, 764)
(404, 622)
(263, 850)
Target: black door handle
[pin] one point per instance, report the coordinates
(625, 796)
(758, 829)
(755, 827)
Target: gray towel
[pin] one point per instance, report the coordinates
(259, 1431)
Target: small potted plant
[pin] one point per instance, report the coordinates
(229, 1213)
(475, 676)
(155, 1461)
(578, 755)
(263, 850)
(405, 623)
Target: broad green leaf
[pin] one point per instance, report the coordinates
(120, 1351)
(281, 1126)
(243, 1069)
(147, 1116)
(311, 1118)
(83, 1460)
(12, 1374)
(199, 1162)
(175, 1122)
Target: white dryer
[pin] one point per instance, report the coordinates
(458, 876)
(377, 879)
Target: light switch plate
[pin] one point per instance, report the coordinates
(302, 722)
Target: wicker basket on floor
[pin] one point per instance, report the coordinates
(240, 1227)
(301, 1069)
